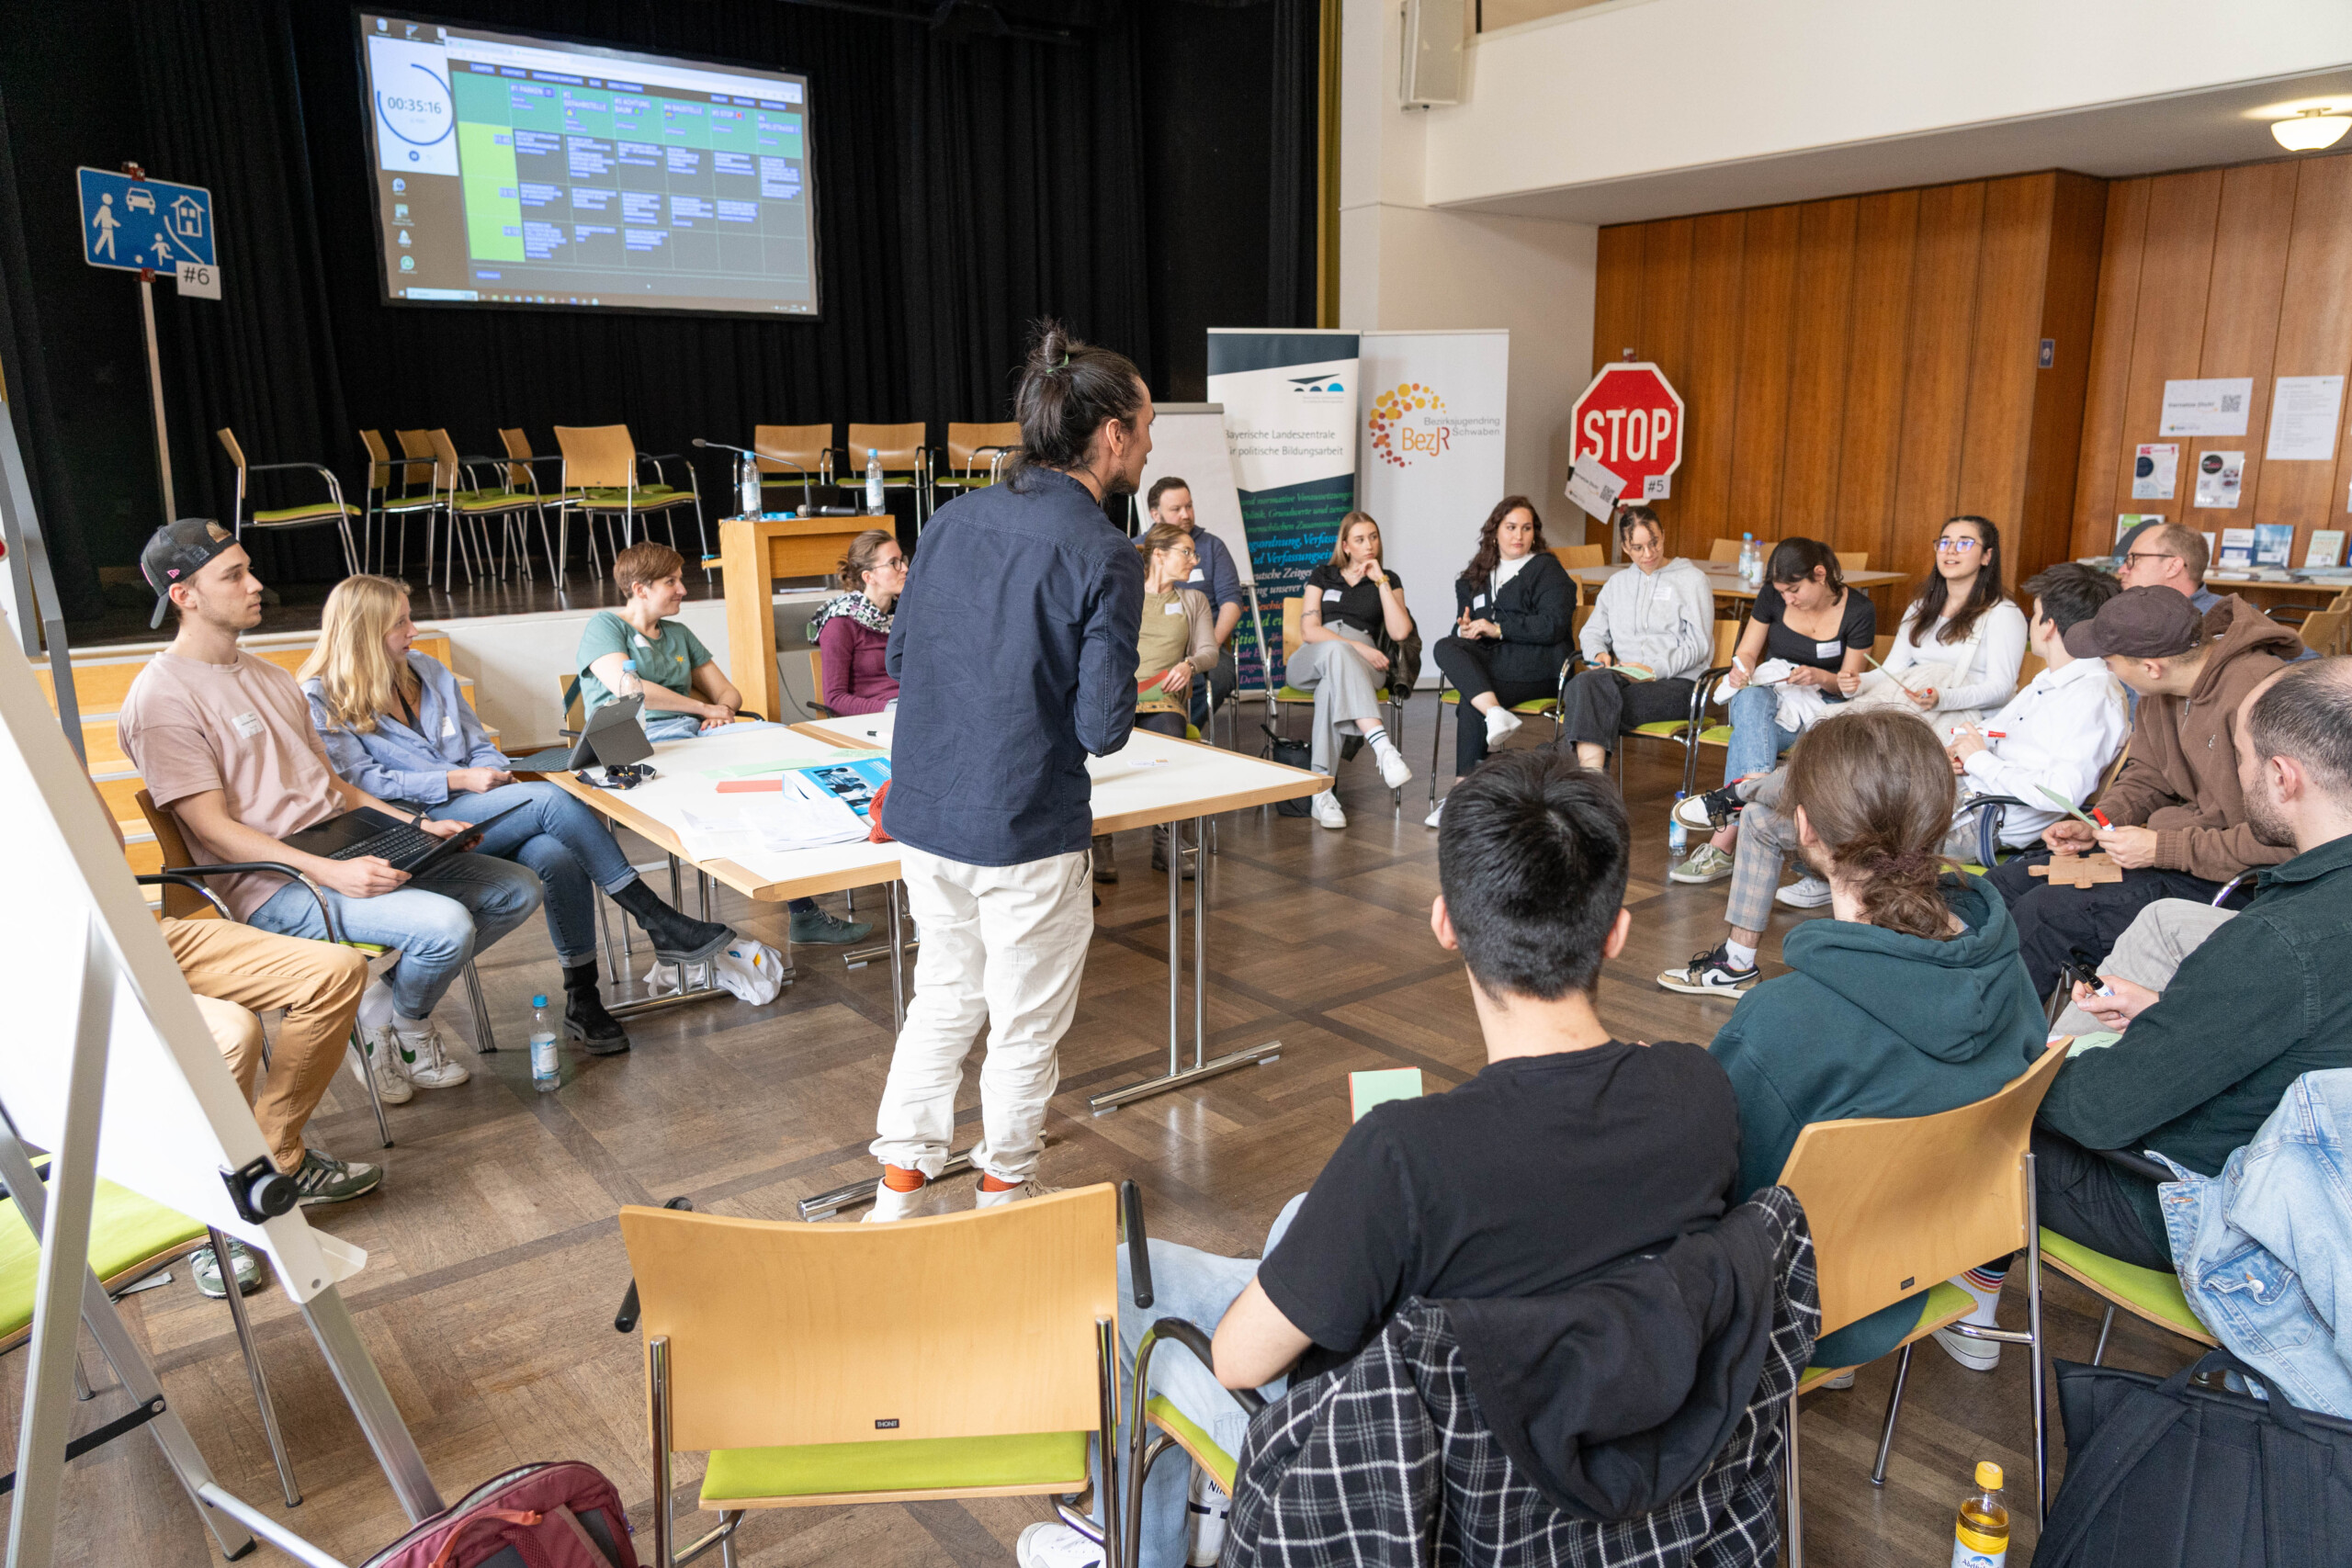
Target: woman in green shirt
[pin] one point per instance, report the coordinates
(1175, 646)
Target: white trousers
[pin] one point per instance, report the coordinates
(1000, 943)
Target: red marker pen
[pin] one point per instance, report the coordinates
(1997, 735)
(2102, 820)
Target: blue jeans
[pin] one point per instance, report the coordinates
(561, 839)
(1197, 1287)
(685, 726)
(438, 921)
(1756, 737)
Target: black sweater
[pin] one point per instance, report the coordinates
(1536, 611)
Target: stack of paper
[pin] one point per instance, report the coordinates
(804, 815)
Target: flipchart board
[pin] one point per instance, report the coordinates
(174, 1119)
(1188, 440)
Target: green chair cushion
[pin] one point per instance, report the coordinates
(317, 511)
(408, 504)
(2158, 1294)
(1293, 694)
(647, 496)
(1538, 707)
(1196, 1441)
(1715, 734)
(1943, 1299)
(494, 500)
(1047, 1460)
(126, 1231)
(1664, 728)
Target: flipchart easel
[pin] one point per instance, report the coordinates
(111, 1067)
(1188, 440)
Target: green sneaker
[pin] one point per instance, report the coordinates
(819, 926)
(1705, 864)
(206, 1267)
(322, 1179)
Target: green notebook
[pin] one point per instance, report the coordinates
(1368, 1089)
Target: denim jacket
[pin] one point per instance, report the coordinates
(2264, 1250)
(398, 762)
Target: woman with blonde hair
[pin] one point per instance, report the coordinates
(852, 632)
(395, 725)
(1352, 601)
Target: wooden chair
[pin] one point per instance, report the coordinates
(905, 463)
(1694, 732)
(333, 512)
(523, 475)
(1574, 556)
(2146, 1294)
(1728, 549)
(2323, 631)
(602, 478)
(470, 498)
(384, 473)
(187, 898)
(966, 1355)
(1449, 701)
(1294, 639)
(976, 456)
(1895, 1202)
(796, 454)
(1848, 560)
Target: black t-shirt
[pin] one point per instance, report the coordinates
(1517, 1183)
(1358, 605)
(1858, 627)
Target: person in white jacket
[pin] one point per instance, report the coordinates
(1651, 630)
(1957, 651)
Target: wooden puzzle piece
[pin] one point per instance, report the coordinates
(2066, 869)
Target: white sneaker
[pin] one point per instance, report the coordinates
(890, 1205)
(1976, 1354)
(1435, 812)
(1810, 893)
(425, 1060)
(384, 1065)
(1206, 1506)
(1325, 810)
(1033, 1188)
(1501, 724)
(1394, 771)
(1705, 864)
(1046, 1545)
(1843, 1381)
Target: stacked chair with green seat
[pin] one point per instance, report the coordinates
(966, 1355)
(392, 493)
(130, 1238)
(603, 478)
(793, 457)
(906, 464)
(1294, 639)
(974, 459)
(332, 513)
(471, 500)
(1449, 701)
(1895, 1202)
(1694, 732)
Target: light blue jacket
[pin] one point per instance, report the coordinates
(398, 762)
(2264, 1250)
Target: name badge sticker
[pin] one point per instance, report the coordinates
(1831, 650)
(1329, 594)
(1197, 575)
(248, 725)
(1477, 601)
(1171, 608)
(448, 727)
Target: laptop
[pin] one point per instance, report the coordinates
(368, 831)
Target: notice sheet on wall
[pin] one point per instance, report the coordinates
(2220, 476)
(2206, 408)
(2153, 469)
(2303, 419)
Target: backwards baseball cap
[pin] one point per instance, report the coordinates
(2139, 623)
(177, 552)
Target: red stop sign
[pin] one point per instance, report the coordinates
(1630, 421)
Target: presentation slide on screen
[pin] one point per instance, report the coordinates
(515, 170)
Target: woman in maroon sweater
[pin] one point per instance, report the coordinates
(853, 633)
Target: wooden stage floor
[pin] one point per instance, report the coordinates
(494, 1263)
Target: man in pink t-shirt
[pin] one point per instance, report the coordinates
(224, 740)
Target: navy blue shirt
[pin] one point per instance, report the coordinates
(1213, 575)
(1013, 645)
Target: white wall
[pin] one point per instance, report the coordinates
(1641, 86)
(1405, 268)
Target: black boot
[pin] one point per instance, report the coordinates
(676, 938)
(585, 1018)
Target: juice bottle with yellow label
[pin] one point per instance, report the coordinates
(1981, 1539)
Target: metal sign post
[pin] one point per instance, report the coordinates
(130, 224)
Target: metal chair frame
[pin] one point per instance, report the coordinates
(1557, 715)
(341, 520)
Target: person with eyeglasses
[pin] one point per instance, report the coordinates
(1962, 642)
(2165, 555)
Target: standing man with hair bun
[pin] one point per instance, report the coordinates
(1013, 645)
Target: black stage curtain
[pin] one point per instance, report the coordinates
(963, 188)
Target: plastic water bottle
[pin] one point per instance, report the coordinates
(630, 686)
(874, 481)
(545, 1074)
(747, 486)
(1678, 836)
(1981, 1536)
(1747, 560)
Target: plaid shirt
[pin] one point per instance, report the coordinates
(1388, 1462)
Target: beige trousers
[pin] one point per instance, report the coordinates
(237, 972)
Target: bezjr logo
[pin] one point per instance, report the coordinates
(890, 1425)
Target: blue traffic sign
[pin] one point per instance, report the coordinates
(144, 225)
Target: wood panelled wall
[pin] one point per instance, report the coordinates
(2245, 271)
(1859, 369)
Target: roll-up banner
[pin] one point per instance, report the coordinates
(1431, 452)
(1290, 423)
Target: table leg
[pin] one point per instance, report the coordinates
(1177, 1074)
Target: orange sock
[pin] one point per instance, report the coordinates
(997, 1184)
(898, 1178)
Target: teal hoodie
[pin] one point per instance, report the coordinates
(1872, 1022)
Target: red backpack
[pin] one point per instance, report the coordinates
(564, 1515)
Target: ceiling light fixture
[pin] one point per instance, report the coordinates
(2311, 130)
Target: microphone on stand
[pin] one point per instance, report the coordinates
(751, 469)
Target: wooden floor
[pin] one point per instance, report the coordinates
(494, 1264)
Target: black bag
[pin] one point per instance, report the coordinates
(2162, 1475)
(1404, 659)
(1290, 754)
